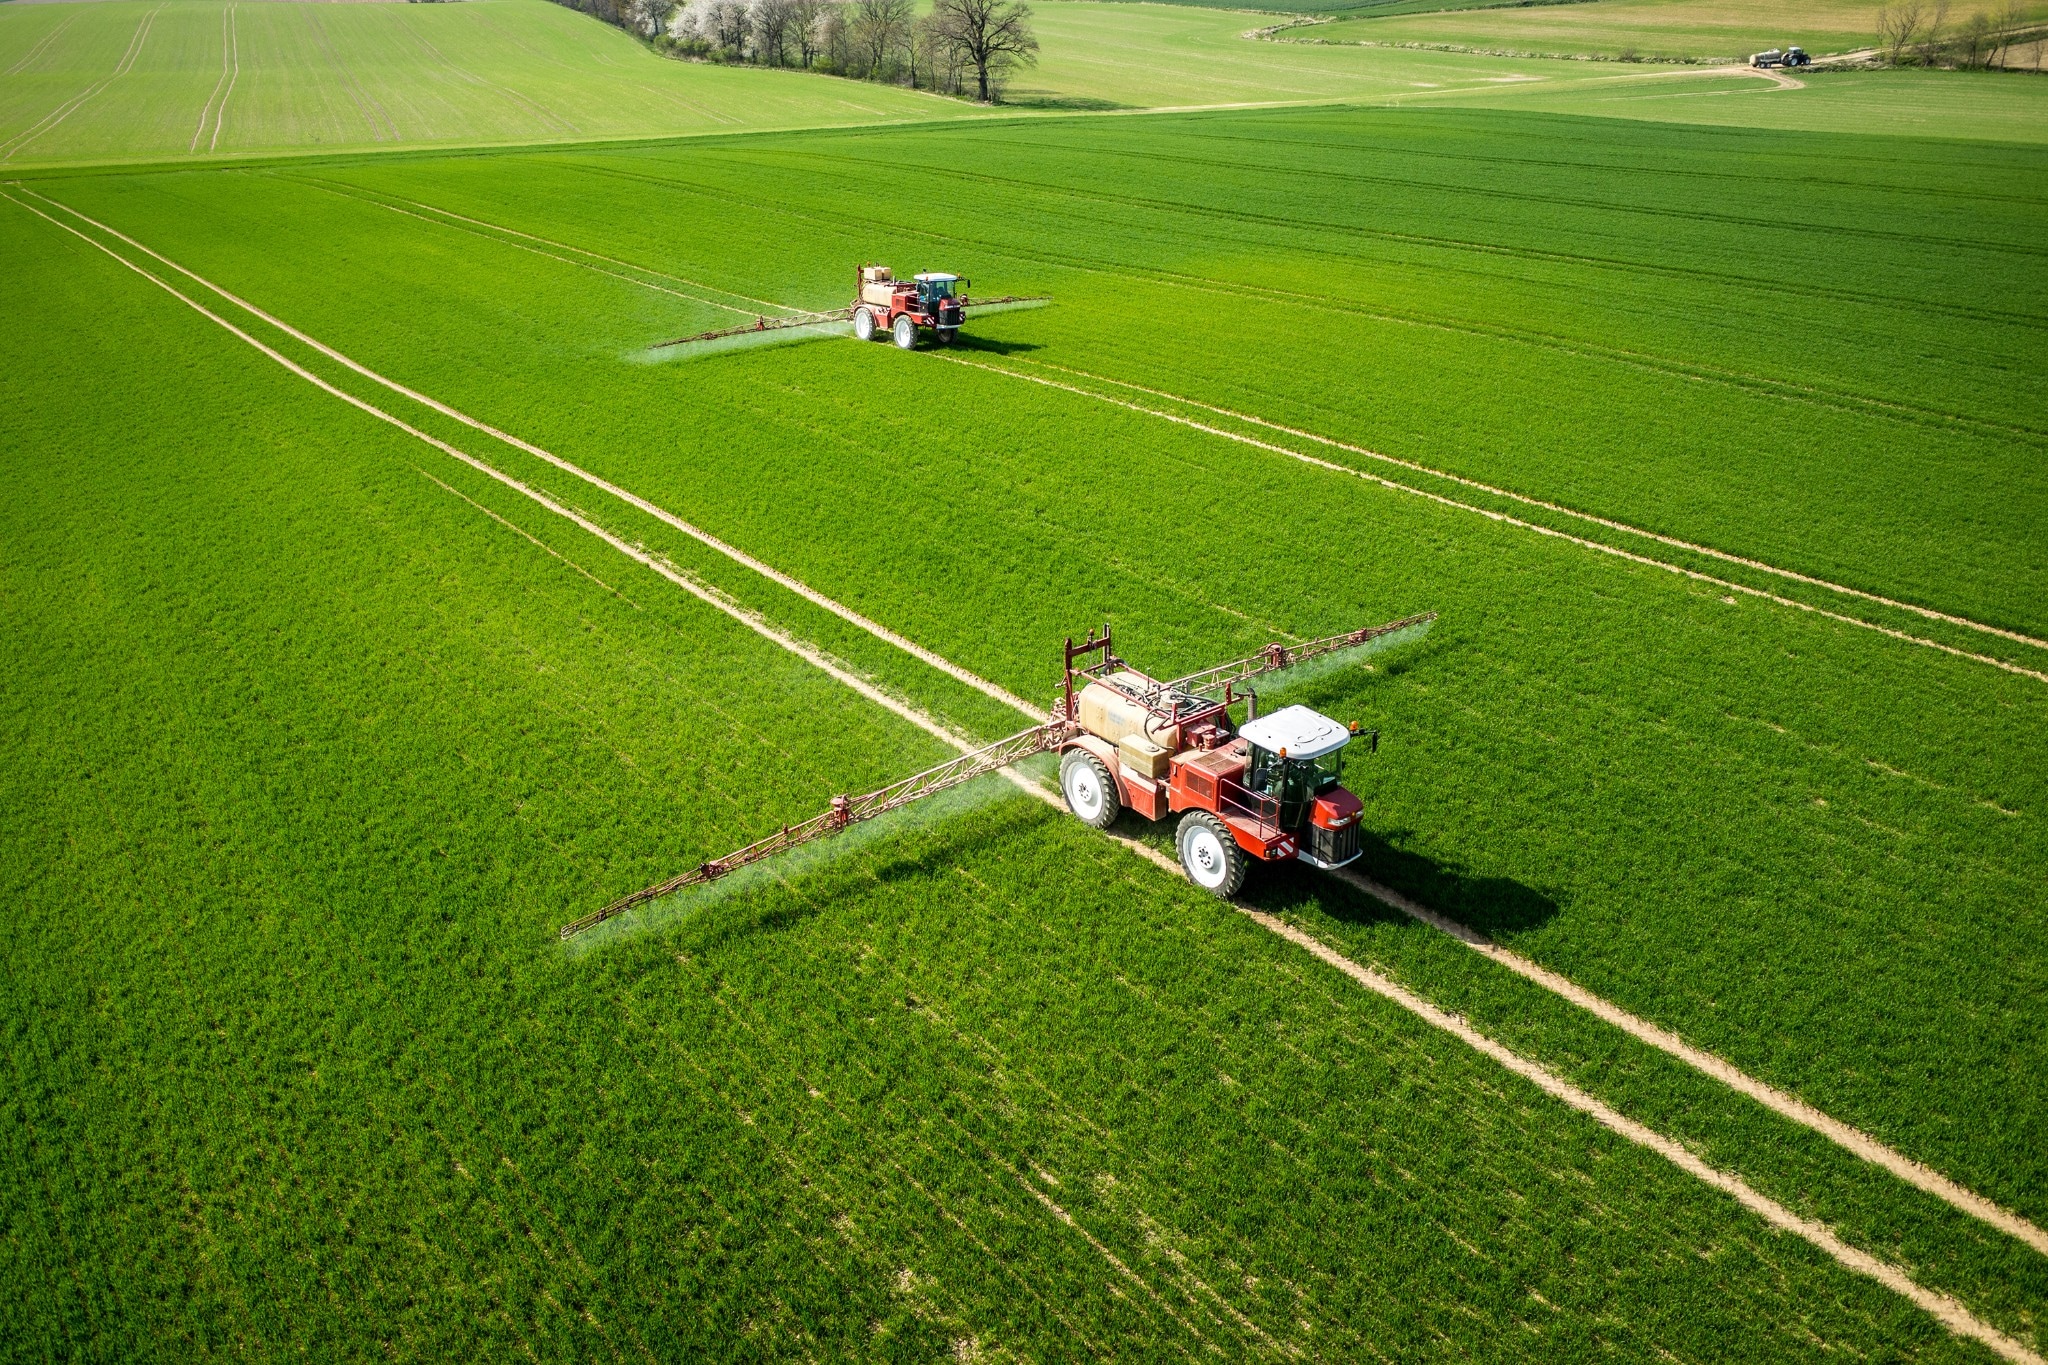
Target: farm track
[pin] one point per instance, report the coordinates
(76, 102)
(490, 232)
(1945, 1309)
(1928, 613)
(230, 72)
(1813, 395)
(1692, 547)
(1395, 485)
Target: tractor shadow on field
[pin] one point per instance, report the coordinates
(1495, 906)
(967, 341)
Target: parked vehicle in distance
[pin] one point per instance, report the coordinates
(1790, 56)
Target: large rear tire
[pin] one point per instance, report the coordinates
(1209, 854)
(906, 334)
(863, 324)
(1090, 790)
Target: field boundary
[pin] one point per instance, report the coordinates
(1951, 1313)
(1397, 486)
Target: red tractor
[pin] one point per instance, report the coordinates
(1265, 791)
(883, 303)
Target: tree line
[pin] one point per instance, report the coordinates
(958, 45)
(1919, 33)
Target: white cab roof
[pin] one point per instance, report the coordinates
(938, 279)
(1301, 732)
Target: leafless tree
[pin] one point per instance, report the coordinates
(1975, 39)
(992, 35)
(2006, 28)
(771, 23)
(803, 31)
(1896, 27)
(880, 33)
(1931, 36)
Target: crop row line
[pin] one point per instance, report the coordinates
(76, 102)
(1674, 542)
(1814, 395)
(1397, 486)
(1945, 1309)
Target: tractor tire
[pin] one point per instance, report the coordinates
(947, 335)
(1209, 854)
(906, 334)
(1090, 789)
(863, 324)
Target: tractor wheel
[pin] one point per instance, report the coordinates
(906, 334)
(863, 324)
(1209, 854)
(946, 335)
(1091, 791)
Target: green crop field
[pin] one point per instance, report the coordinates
(122, 80)
(379, 594)
(1727, 30)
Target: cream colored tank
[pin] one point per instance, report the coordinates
(1112, 715)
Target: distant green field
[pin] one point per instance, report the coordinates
(1696, 30)
(127, 79)
(309, 753)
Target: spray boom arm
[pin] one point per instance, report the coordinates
(845, 811)
(1210, 690)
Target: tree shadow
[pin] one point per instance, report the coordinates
(1047, 99)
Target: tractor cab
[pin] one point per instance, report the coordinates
(1297, 759)
(933, 288)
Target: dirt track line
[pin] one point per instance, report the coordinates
(1396, 486)
(599, 256)
(1786, 1105)
(220, 115)
(230, 61)
(1928, 613)
(37, 51)
(753, 620)
(522, 246)
(738, 556)
(1948, 1311)
(72, 105)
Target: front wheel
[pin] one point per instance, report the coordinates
(906, 333)
(1090, 790)
(947, 335)
(863, 324)
(1209, 854)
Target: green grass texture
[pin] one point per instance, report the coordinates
(310, 749)
(126, 80)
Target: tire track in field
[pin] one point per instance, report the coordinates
(476, 228)
(1782, 390)
(1951, 1313)
(661, 514)
(363, 100)
(230, 70)
(37, 51)
(1674, 542)
(76, 102)
(1805, 293)
(1397, 486)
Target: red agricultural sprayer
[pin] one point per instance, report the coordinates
(1264, 791)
